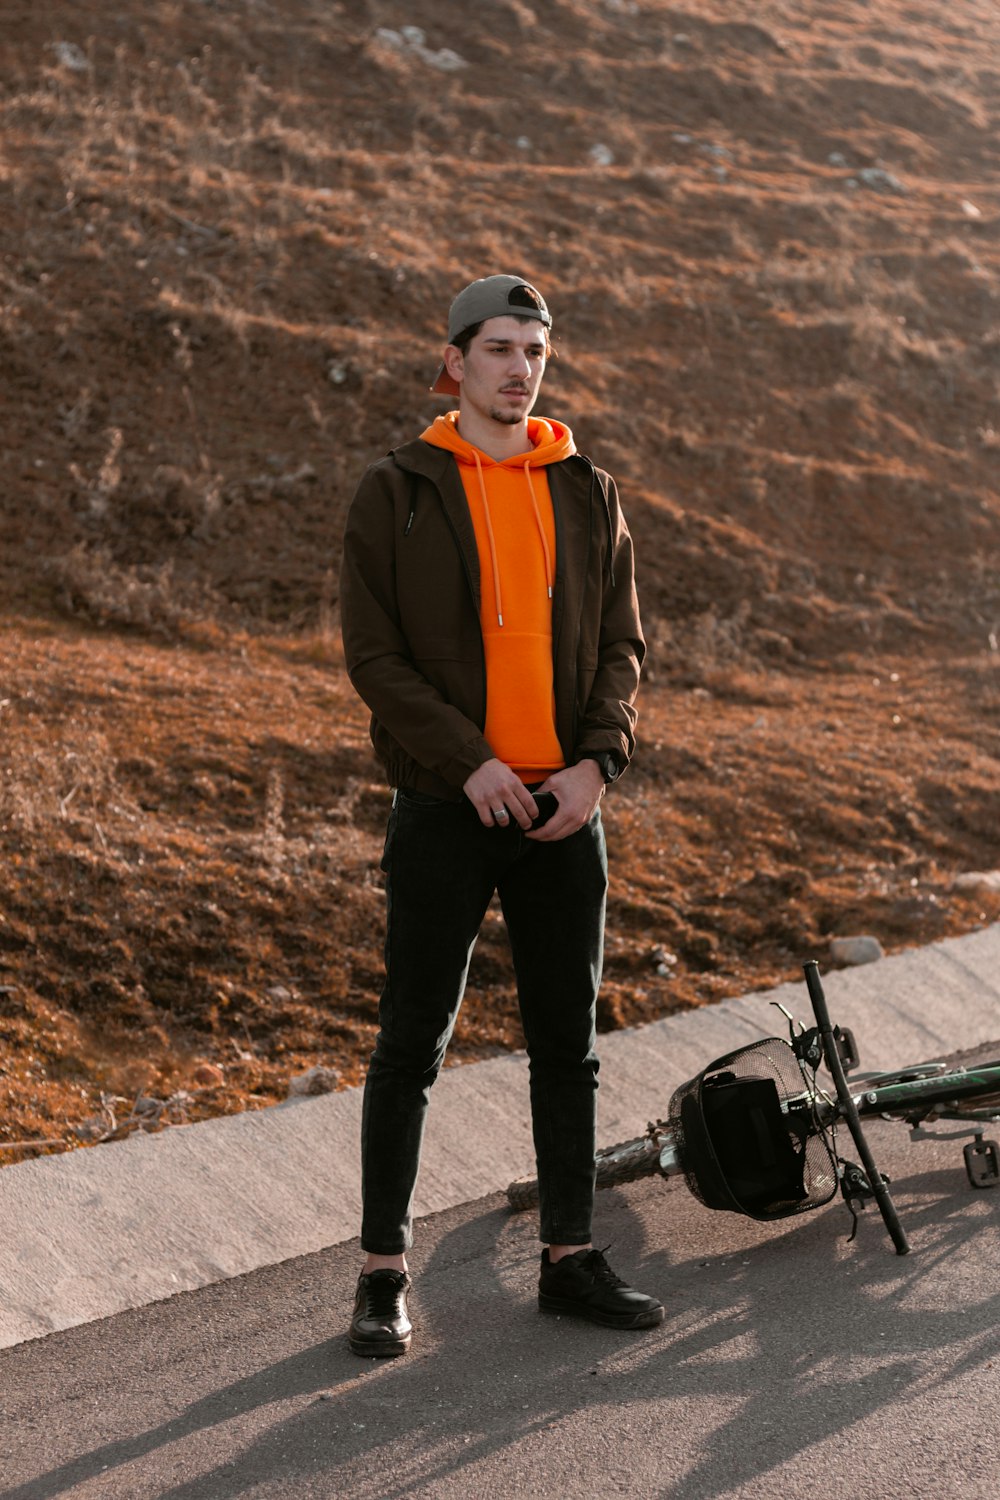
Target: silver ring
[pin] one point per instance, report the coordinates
(499, 813)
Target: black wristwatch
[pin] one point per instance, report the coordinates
(608, 762)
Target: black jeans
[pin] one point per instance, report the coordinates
(442, 867)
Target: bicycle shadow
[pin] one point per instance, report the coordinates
(743, 1332)
(877, 1338)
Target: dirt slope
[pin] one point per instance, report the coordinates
(230, 230)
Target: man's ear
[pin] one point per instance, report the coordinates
(454, 362)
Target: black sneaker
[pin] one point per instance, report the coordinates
(380, 1325)
(583, 1285)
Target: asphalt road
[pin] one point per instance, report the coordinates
(790, 1363)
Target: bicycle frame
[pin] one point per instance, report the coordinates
(901, 1097)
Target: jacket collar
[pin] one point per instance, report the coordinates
(418, 457)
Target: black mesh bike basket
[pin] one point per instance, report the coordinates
(745, 1135)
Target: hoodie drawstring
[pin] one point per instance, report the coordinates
(489, 533)
(549, 578)
(541, 529)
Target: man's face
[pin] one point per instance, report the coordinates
(500, 374)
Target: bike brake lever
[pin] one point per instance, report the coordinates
(808, 1047)
(792, 1022)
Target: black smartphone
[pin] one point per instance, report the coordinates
(547, 803)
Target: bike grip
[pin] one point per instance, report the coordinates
(817, 997)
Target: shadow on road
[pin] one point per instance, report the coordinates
(778, 1338)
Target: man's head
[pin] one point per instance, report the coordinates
(493, 305)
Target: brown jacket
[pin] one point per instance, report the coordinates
(409, 596)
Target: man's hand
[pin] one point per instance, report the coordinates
(498, 795)
(578, 789)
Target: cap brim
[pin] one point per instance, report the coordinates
(444, 385)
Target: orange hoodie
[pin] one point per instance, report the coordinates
(511, 511)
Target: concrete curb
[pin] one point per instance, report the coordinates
(93, 1232)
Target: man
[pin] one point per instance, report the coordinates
(491, 625)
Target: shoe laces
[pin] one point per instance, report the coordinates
(382, 1293)
(600, 1270)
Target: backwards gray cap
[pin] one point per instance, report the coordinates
(490, 297)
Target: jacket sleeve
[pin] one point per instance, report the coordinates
(378, 658)
(609, 718)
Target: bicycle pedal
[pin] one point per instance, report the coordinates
(982, 1163)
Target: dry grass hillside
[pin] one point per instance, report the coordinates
(230, 230)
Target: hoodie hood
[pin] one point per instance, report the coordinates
(551, 442)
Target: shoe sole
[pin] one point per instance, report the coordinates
(651, 1317)
(385, 1349)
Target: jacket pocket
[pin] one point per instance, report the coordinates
(429, 648)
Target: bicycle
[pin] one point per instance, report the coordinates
(755, 1132)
